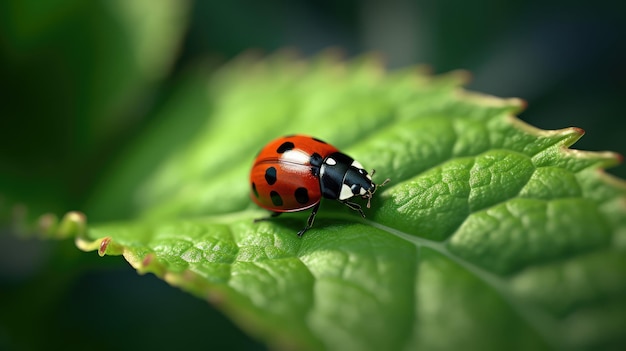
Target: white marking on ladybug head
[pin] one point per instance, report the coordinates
(346, 192)
(356, 164)
(362, 192)
(330, 161)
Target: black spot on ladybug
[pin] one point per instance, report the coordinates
(302, 195)
(276, 199)
(270, 175)
(355, 188)
(254, 191)
(286, 146)
(319, 141)
(316, 160)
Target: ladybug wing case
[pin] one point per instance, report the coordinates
(285, 175)
(284, 187)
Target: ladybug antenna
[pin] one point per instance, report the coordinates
(369, 198)
(381, 184)
(373, 190)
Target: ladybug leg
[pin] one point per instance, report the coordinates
(273, 215)
(309, 222)
(354, 206)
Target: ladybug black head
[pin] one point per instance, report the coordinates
(341, 178)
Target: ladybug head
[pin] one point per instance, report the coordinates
(341, 178)
(370, 192)
(358, 182)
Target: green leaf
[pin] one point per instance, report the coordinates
(491, 235)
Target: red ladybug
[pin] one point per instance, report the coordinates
(294, 172)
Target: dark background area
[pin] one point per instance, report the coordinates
(566, 59)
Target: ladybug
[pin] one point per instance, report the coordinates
(294, 172)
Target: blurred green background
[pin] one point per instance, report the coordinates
(81, 81)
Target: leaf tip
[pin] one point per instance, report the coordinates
(150, 263)
(463, 76)
(73, 223)
(104, 244)
(578, 130)
(147, 260)
(46, 223)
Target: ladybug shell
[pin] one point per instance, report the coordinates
(285, 174)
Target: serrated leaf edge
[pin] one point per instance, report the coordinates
(195, 284)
